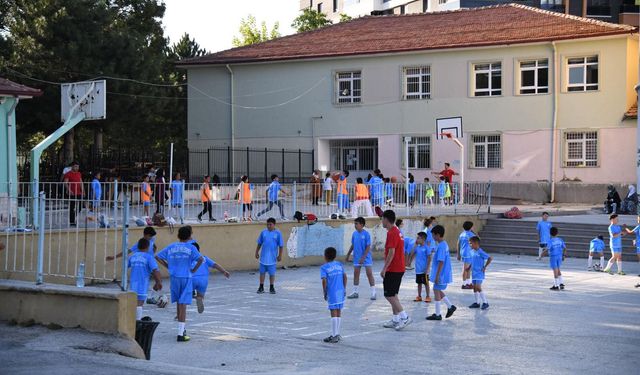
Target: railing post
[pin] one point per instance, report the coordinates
(229, 151)
(299, 164)
(209, 161)
(489, 189)
(115, 198)
(40, 261)
(34, 204)
(283, 164)
(294, 196)
(125, 241)
(248, 154)
(266, 165)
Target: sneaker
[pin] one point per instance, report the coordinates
(621, 273)
(609, 272)
(284, 218)
(183, 338)
(390, 324)
(373, 297)
(590, 269)
(467, 286)
(408, 268)
(260, 290)
(450, 311)
(212, 219)
(554, 288)
(328, 339)
(272, 290)
(353, 295)
(427, 300)
(403, 323)
(200, 303)
(474, 305)
(335, 339)
(562, 286)
(418, 299)
(434, 317)
(485, 306)
(638, 285)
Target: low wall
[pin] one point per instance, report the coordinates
(540, 192)
(93, 309)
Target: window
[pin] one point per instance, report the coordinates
(335, 6)
(534, 76)
(486, 151)
(354, 154)
(488, 79)
(420, 152)
(442, 1)
(319, 7)
(417, 83)
(583, 73)
(581, 149)
(348, 87)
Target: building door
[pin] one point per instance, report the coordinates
(358, 156)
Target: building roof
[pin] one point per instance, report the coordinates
(632, 113)
(475, 27)
(10, 88)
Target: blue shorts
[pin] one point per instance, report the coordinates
(336, 306)
(270, 269)
(555, 262)
(146, 204)
(343, 201)
(477, 282)
(140, 288)
(378, 201)
(200, 284)
(439, 286)
(368, 262)
(181, 290)
(616, 250)
(466, 260)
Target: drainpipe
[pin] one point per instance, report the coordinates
(233, 126)
(554, 130)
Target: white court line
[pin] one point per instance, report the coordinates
(367, 332)
(314, 334)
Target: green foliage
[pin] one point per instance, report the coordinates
(251, 34)
(310, 19)
(345, 17)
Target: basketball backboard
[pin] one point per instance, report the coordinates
(94, 105)
(451, 125)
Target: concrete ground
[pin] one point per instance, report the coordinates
(591, 326)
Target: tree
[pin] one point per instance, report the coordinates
(251, 34)
(310, 19)
(345, 17)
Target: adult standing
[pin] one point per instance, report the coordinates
(75, 190)
(447, 173)
(316, 187)
(159, 190)
(393, 270)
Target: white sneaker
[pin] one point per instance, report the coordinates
(353, 295)
(390, 324)
(403, 323)
(373, 297)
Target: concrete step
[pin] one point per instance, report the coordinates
(495, 234)
(504, 248)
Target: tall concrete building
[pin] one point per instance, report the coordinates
(358, 8)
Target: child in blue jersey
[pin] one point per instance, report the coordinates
(269, 252)
(334, 284)
(96, 192)
(557, 251)
(442, 191)
(441, 273)
(377, 186)
(479, 263)
(596, 247)
(408, 243)
(544, 236)
(177, 195)
(142, 265)
(273, 197)
(421, 252)
(464, 254)
(178, 258)
(201, 280)
(148, 234)
(412, 191)
(636, 241)
(361, 248)
(615, 243)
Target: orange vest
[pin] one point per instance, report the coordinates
(362, 192)
(246, 193)
(205, 192)
(342, 187)
(145, 192)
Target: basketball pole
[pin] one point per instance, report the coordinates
(461, 146)
(171, 177)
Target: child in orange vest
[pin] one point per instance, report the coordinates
(362, 199)
(244, 197)
(145, 194)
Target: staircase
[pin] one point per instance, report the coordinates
(520, 237)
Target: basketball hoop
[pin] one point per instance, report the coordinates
(446, 134)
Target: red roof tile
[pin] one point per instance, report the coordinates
(9, 88)
(485, 26)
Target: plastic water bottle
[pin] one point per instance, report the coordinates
(226, 215)
(80, 276)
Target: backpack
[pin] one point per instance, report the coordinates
(158, 220)
(309, 218)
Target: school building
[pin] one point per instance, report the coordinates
(538, 98)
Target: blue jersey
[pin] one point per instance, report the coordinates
(177, 191)
(273, 190)
(636, 230)
(270, 242)
(360, 241)
(142, 264)
(544, 231)
(333, 272)
(478, 259)
(556, 247)
(596, 245)
(377, 185)
(442, 189)
(442, 255)
(422, 253)
(463, 241)
(203, 270)
(412, 189)
(152, 242)
(96, 190)
(388, 190)
(179, 256)
(431, 243)
(615, 243)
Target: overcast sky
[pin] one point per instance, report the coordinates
(213, 23)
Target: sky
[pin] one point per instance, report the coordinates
(214, 23)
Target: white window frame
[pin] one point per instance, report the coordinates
(423, 75)
(490, 71)
(584, 64)
(415, 143)
(581, 138)
(475, 141)
(541, 63)
(351, 99)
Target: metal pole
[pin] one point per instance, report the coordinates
(34, 195)
(294, 196)
(208, 162)
(230, 154)
(115, 199)
(299, 164)
(489, 198)
(248, 156)
(406, 170)
(125, 241)
(266, 166)
(283, 163)
(40, 263)
(171, 176)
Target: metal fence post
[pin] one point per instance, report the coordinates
(40, 262)
(248, 157)
(125, 241)
(208, 162)
(294, 196)
(283, 177)
(299, 164)
(115, 198)
(266, 165)
(489, 189)
(34, 208)
(229, 151)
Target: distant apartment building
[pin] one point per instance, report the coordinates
(537, 97)
(358, 8)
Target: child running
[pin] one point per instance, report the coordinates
(441, 273)
(142, 265)
(201, 280)
(544, 236)
(269, 252)
(464, 254)
(479, 263)
(148, 234)
(615, 243)
(557, 251)
(596, 247)
(273, 197)
(361, 248)
(334, 283)
(178, 258)
(421, 252)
